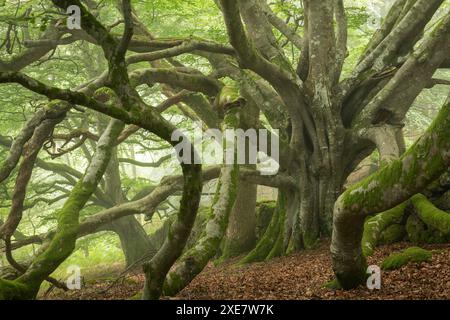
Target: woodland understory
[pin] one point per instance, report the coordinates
(78, 156)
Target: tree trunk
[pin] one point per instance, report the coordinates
(395, 183)
(134, 240)
(240, 235)
(195, 259)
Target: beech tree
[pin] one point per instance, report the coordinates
(328, 121)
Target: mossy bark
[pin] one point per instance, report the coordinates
(271, 243)
(195, 259)
(394, 233)
(393, 184)
(373, 227)
(63, 242)
(241, 229)
(240, 236)
(420, 233)
(430, 215)
(264, 212)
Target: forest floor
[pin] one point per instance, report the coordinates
(297, 277)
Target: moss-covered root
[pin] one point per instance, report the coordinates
(271, 244)
(12, 290)
(413, 254)
(419, 233)
(332, 285)
(264, 212)
(195, 259)
(394, 233)
(373, 227)
(430, 215)
(393, 184)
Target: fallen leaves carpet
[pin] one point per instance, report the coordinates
(297, 277)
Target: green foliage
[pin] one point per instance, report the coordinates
(193, 18)
(413, 254)
(357, 17)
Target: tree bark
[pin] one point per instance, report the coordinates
(63, 242)
(395, 183)
(240, 235)
(194, 260)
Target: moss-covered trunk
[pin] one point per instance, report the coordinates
(63, 242)
(393, 184)
(194, 260)
(240, 235)
(271, 243)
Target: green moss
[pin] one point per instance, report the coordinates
(392, 184)
(173, 284)
(374, 226)
(444, 202)
(424, 161)
(432, 216)
(277, 249)
(419, 233)
(137, 296)
(264, 213)
(13, 290)
(368, 193)
(394, 233)
(413, 254)
(229, 94)
(332, 285)
(269, 239)
(195, 259)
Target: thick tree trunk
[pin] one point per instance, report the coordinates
(240, 235)
(271, 243)
(395, 183)
(134, 240)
